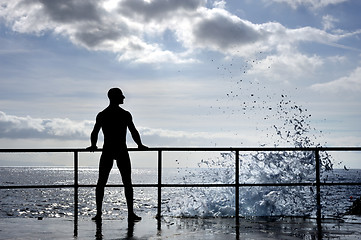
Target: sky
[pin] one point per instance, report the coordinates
(194, 72)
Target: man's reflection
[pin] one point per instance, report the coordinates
(99, 234)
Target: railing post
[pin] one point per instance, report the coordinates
(159, 184)
(237, 187)
(318, 184)
(76, 186)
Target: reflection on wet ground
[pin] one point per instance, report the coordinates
(182, 228)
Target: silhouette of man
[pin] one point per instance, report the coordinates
(114, 122)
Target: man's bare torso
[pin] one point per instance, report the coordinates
(114, 122)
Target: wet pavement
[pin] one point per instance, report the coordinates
(182, 228)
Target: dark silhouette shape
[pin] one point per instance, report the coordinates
(130, 231)
(99, 232)
(355, 209)
(114, 122)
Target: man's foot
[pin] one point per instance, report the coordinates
(97, 218)
(134, 218)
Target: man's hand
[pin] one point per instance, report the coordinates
(141, 146)
(92, 148)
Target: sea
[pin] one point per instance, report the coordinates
(203, 202)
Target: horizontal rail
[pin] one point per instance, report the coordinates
(190, 149)
(183, 185)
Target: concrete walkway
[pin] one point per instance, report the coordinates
(178, 228)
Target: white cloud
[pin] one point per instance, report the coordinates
(164, 133)
(337, 59)
(88, 24)
(286, 67)
(27, 127)
(314, 4)
(131, 28)
(350, 83)
(219, 4)
(328, 22)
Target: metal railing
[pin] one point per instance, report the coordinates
(159, 185)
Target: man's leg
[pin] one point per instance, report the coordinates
(124, 167)
(105, 165)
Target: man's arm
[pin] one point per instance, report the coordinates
(135, 134)
(94, 135)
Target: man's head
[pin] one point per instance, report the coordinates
(116, 96)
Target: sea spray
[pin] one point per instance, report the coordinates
(287, 124)
(277, 167)
(255, 167)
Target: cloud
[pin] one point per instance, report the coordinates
(172, 134)
(350, 83)
(221, 31)
(68, 11)
(328, 22)
(218, 30)
(313, 4)
(85, 23)
(15, 127)
(286, 66)
(134, 29)
(160, 10)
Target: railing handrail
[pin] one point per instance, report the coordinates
(190, 149)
